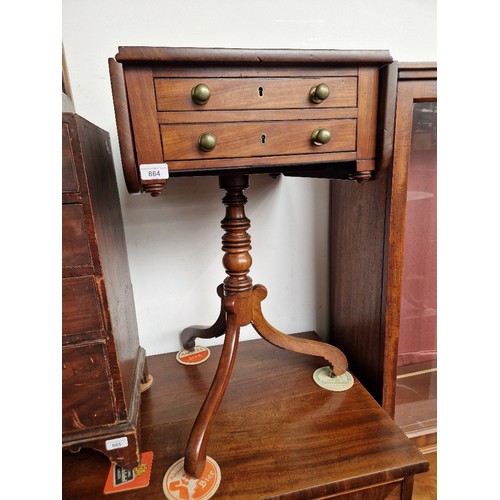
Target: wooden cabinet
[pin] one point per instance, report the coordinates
(102, 361)
(367, 285)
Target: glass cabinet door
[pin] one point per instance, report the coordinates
(415, 405)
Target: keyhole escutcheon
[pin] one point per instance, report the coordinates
(263, 138)
(261, 91)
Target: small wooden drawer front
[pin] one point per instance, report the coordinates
(254, 139)
(81, 311)
(75, 247)
(254, 93)
(69, 178)
(86, 388)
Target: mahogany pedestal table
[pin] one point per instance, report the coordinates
(234, 112)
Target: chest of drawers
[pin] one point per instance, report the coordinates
(102, 361)
(208, 111)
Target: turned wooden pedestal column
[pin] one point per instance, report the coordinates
(240, 306)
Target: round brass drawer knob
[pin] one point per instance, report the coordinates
(200, 94)
(321, 136)
(207, 141)
(319, 93)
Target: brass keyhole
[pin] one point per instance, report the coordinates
(263, 138)
(261, 91)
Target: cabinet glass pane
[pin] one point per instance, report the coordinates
(417, 354)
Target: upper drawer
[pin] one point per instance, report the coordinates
(175, 94)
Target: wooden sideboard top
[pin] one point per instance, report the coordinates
(276, 434)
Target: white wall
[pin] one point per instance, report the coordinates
(174, 240)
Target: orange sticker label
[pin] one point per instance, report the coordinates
(121, 479)
(178, 485)
(194, 356)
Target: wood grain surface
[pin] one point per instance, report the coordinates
(276, 435)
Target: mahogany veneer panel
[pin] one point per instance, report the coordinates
(276, 435)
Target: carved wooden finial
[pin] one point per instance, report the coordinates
(154, 189)
(361, 176)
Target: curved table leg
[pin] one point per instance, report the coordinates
(191, 333)
(196, 449)
(332, 354)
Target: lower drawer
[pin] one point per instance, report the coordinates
(81, 311)
(254, 139)
(75, 245)
(87, 398)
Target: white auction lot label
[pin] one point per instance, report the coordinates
(154, 171)
(114, 444)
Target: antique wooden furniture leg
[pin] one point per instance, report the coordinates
(332, 354)
(196, 449)
(191, 333)
(240, 307)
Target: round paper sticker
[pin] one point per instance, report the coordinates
(323, 377)
(177, 484)
(194, 356)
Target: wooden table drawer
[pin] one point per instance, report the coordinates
(254, 139)
(86, 387)
(174, 94)
(81, 310)
(75, 245)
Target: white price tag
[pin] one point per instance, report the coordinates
(114, 444)
(153, 171)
